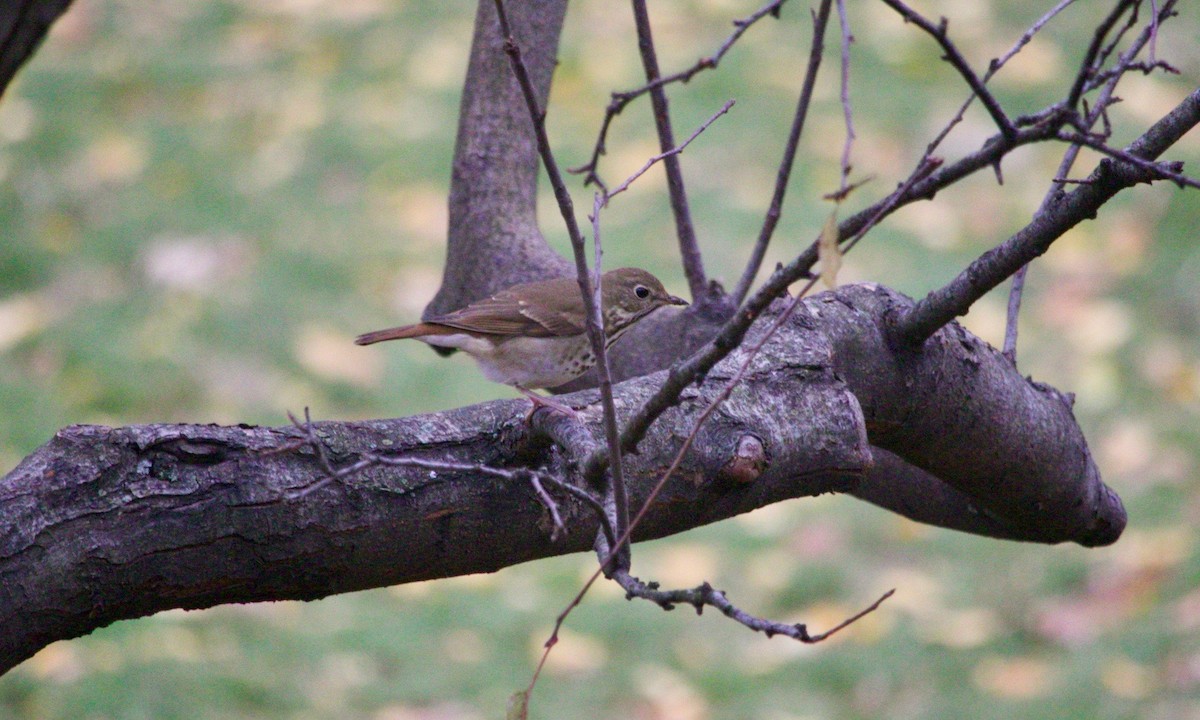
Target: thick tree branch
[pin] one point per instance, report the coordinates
(493, 187)
(104, 524)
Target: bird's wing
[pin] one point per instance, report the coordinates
(547, 309)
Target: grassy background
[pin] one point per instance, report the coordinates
(202, 203)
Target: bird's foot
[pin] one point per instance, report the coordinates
(540, 401)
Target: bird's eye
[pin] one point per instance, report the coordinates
(642, 291)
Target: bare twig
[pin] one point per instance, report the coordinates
(1134, 7)
(955, 58)
(689, 249)
(1089, 75)
(1096, 54)
(612, 439)
(1025, 38)
(621, 99)
(661, 156)
(1161, 170)
(847, 112)
(706, 595)
(783, 174)
(608, 558)
(1109, 178)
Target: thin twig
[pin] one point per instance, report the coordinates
(661, 156)
(847, 112)
(1025, 38)
(783, 174)
(994, 67)
(1162, 170)
(611, 436)
(548, 502)
(1013, 312)
(706, 595)
(1110, 177)
(1095, 55)
(1088, 76)
(689, 248)
(620, 499)
(1135, 7)
(955, 58)
(621, 99)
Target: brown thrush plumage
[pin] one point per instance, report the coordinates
(534, 335)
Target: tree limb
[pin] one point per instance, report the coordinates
(1068, 210)
(493, 186)
(103, 524)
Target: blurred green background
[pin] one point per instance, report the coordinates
(202, 203)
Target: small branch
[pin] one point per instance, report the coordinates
(612, 439)
(993, 68)
(1025, 38)
(662, 156)
(1013, 313)
(1089, 68)
(988, 271)
(620, 557)
(1096, 54)
(1159, 170)
(955, 58)
(706, 595)
(621, 99)
(783, 174)
(689, 249)
(847, 112)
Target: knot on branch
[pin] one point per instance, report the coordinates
(748, 461)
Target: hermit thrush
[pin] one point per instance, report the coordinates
(534, 335)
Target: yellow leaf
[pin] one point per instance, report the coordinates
(829, 253)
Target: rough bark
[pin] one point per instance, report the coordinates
(102, 524)
(493, 241)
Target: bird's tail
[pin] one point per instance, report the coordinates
(397, 333)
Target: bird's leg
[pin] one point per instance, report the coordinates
(540, 401)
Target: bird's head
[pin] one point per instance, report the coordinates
(628, 295)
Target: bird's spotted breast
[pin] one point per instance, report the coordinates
(537, 362)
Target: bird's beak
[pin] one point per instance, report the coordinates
(676, 300)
